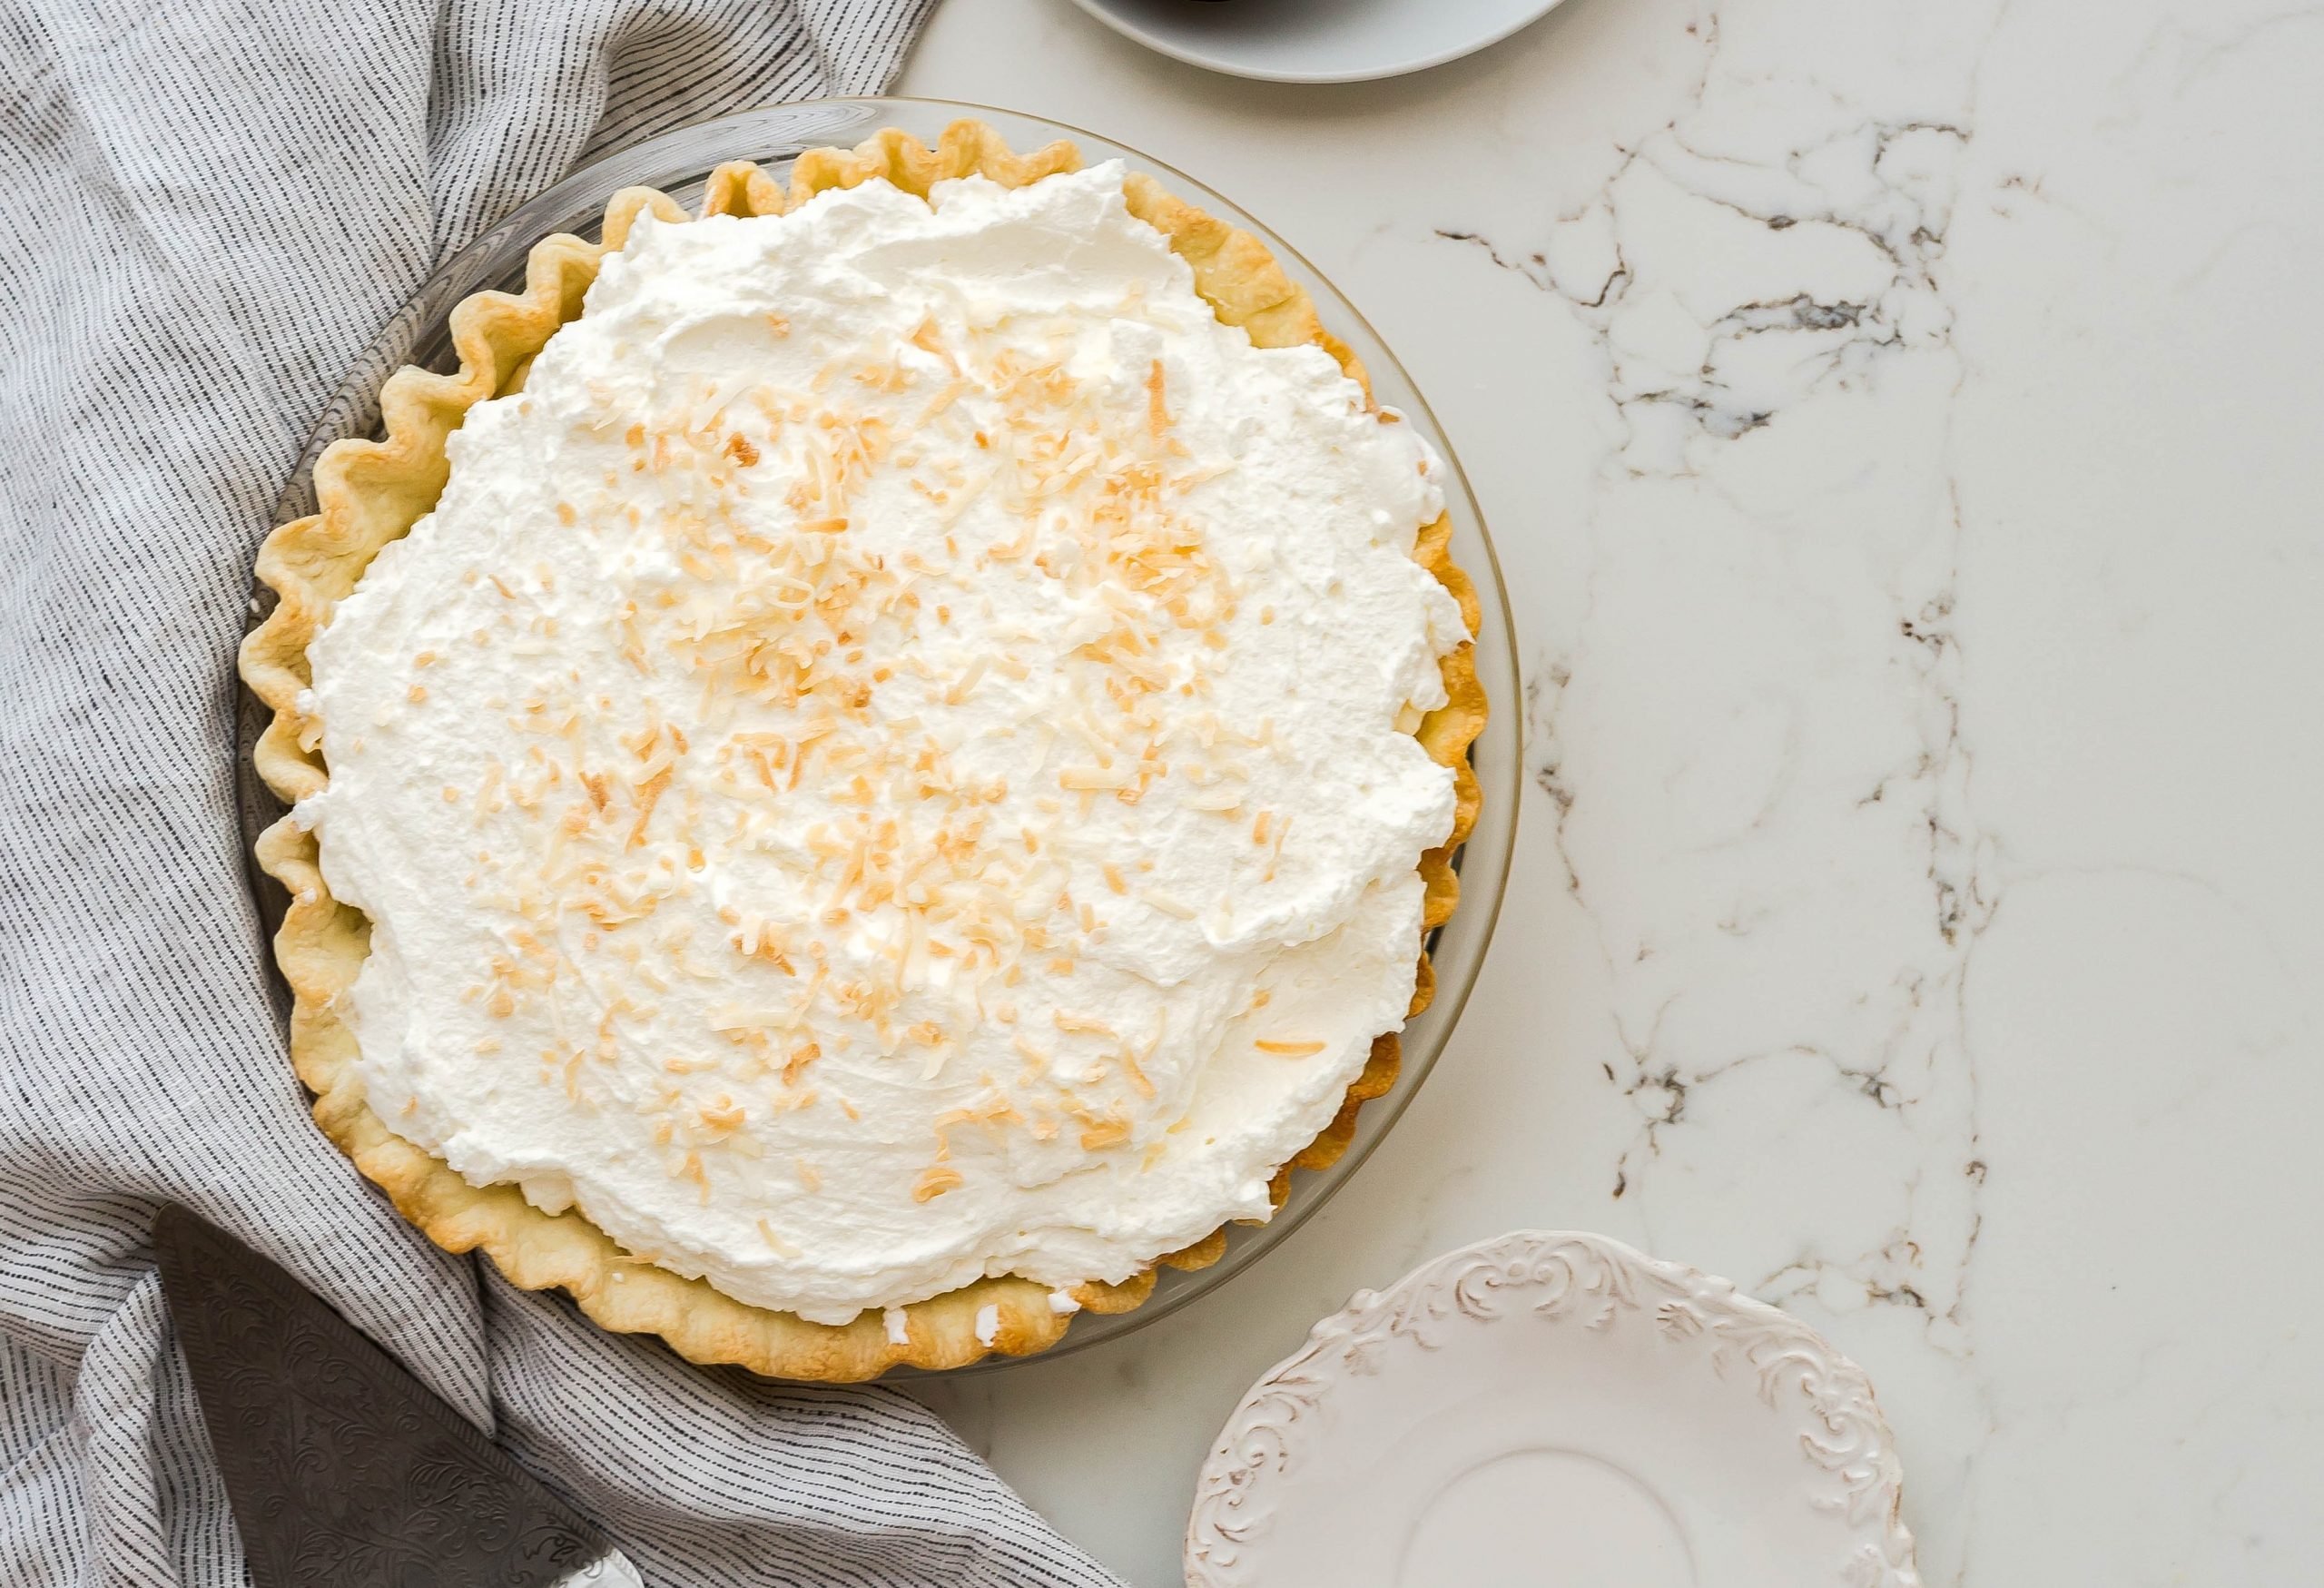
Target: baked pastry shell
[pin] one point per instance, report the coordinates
(370, 491)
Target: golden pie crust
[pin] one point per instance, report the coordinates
(370, 492)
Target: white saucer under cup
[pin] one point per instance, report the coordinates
(1316, 41)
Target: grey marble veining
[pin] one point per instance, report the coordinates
(1897, 422)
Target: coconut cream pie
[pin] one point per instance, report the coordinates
(875, 765)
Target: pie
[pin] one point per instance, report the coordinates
(872, 766)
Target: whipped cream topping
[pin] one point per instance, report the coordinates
(891, 761)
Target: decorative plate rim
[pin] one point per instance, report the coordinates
(1597, 1282)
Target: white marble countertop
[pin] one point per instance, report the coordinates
(1899, 425)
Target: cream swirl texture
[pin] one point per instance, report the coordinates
(891, 761)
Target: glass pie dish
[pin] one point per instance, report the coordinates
(677, 164)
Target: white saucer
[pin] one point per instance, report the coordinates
(1316, 41)
(1548, 1407)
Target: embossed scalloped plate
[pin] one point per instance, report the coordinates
(1549, 1407)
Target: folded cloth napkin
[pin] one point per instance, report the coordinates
(207, 209)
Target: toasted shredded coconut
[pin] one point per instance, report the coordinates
(778, 728)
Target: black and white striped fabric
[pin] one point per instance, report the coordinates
(207, 207)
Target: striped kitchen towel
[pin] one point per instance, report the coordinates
(207, 209)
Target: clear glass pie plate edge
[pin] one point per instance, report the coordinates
(677, 161)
